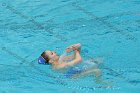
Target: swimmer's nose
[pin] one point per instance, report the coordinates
(55, 53)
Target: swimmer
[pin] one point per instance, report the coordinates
(52, 58)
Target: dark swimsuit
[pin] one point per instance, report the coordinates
(72, 71)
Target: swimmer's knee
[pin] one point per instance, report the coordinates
(97, 72)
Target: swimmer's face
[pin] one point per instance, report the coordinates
(53, 56)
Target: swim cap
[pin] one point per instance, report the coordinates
(41, 60)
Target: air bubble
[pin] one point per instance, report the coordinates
(83, 25)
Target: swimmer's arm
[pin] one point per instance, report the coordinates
(70, 57)
(73, 56)
(77, 59)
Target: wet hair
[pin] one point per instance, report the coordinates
(46, 57)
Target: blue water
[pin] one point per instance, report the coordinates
(106, 28)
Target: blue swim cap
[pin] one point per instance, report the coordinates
(41, 60)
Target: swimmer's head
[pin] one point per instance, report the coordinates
(48, 57)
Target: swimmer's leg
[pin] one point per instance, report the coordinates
(98, 60)
(98, 78)
(91, 71)
(97, 73)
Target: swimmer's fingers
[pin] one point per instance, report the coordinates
(74, 47)
(69, 49)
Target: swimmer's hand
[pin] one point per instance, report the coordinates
(73, 47)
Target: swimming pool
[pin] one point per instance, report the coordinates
(105, 28)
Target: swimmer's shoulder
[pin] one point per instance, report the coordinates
(60, 66)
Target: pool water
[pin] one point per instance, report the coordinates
(106, 28)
